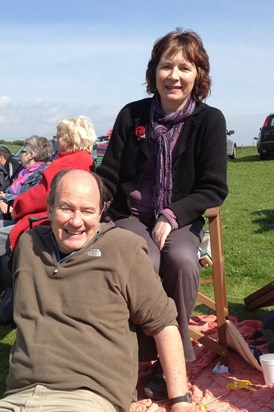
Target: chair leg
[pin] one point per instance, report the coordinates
(218, 272)
(219, 303)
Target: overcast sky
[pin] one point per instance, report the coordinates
(61, 58)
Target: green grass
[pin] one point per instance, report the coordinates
(248, 230)
(248, 234)
(7, 335)
(13, 147)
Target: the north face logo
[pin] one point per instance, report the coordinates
(94, 252)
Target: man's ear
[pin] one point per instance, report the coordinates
(103, 211)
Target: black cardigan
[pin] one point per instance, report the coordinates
(199, 171)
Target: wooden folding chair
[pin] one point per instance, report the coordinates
(219, 303)
(261, 298)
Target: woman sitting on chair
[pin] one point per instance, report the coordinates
(164, 166)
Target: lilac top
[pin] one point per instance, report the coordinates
(140, 199)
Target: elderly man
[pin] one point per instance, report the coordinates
(81, 287)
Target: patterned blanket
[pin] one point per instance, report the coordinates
(209, 390)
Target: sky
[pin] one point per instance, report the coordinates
(61, 58)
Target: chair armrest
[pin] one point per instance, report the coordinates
(212, 212)
(33, 219)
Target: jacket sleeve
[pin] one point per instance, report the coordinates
(4, 179)
(110, 168)
(34, 199)
(209, 159)
(31, 201)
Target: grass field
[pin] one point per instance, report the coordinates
(13, 147)
(248, 234)
(248, 230)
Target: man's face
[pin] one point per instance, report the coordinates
(75, 214)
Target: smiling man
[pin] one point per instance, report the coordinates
(75, 212)
(81, 287)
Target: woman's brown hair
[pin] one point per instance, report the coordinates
(192, 47)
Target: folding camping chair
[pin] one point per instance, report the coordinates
(261, 298)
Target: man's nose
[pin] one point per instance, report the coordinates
(76, 218)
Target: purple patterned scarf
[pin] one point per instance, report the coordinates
(24, 174)
(165, 127)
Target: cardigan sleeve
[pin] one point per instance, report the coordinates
(31, 201)
(206, 163)
(125, 160)
(110, 168)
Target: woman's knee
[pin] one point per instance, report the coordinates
(182, 259)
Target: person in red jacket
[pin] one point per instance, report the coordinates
(75, 138)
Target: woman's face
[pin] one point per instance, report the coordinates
(175, 79)
(26, 158)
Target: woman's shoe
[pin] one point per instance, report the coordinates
(155, 388)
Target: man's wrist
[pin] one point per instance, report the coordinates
(184, 398)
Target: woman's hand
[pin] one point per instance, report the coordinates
(161, 231)
(11, 212)
(3, 207)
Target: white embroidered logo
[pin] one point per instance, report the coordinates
(94, 252)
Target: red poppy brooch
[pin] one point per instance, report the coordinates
(140, 133)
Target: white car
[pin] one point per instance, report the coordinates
(231, 146)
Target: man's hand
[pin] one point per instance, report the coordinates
(161, 231)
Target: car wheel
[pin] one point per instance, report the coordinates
(263, 156)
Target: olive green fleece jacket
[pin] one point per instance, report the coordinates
(76, 318)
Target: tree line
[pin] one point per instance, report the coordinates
(15, 142)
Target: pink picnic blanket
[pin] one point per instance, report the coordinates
(209, 390)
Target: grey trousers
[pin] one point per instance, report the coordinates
(5, 229)
(5, 272)
(179, 268)
(42, 399)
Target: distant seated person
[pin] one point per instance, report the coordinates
(101, 147)
(75, 139)
(9, 168)
(36, 153)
